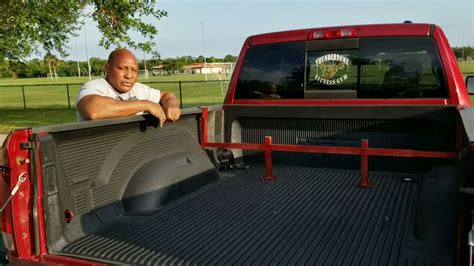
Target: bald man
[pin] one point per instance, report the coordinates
(119, 94)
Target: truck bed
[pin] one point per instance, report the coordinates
(310, 216)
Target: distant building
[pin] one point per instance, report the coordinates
(209, 68)
(198, 68)
(158, 70)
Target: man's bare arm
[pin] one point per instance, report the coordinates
(94, 107)
(170, 105)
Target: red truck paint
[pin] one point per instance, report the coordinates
(457, 88)
(20, 205)
(18, 216)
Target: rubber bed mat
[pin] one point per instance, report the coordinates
(308, 216)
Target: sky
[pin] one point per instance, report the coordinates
(227, 23)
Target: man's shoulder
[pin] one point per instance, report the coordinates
(97, 86)
(143, 91)
(95, 83)
(143, 87)
(140, 85)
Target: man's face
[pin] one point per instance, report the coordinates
(122, 72)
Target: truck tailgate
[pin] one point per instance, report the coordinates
(307, 216)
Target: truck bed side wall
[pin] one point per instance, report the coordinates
(100, 175)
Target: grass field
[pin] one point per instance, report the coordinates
(193, 93)
(64, 80)
(44, 93)
(466, 68)
(19, 118)
(48, 104)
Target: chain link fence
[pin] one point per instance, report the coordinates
(189, 93)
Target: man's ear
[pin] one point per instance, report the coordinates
(106, 67)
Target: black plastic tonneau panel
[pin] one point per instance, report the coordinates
(308, 216)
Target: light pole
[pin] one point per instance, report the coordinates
(87, 54)
(463, 41)
(204, 49)
(144, 63)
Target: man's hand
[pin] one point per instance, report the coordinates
(172, 113)
(156, 110)
(170, 105)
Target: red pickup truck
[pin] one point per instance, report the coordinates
(346, 145)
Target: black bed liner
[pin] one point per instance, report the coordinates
(308, 216)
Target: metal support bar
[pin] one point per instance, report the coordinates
(268, 160)
(364, 164)
(337, 150)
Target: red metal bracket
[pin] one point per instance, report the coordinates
(205, 113)
(364, 151)
(268, 160)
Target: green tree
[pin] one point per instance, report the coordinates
(188, 59)
(17, 69)
(211, 59)
(464, 52)
(200, 59)
(26, 25)
(52, 61)
(67, 68)
(36, 68)
(5, 71)
(97, 66)
(229, 58)
(172, 65)
(149, 64)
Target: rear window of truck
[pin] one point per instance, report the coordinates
(395, 67)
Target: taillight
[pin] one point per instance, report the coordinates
(333, 34)
(7, 229)
(7, 222)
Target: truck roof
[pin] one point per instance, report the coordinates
(372, 30)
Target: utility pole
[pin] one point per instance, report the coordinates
(87, 54)
(204, 49)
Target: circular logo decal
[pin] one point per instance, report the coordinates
(331, 69)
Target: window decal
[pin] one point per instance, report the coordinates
(331, 69)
